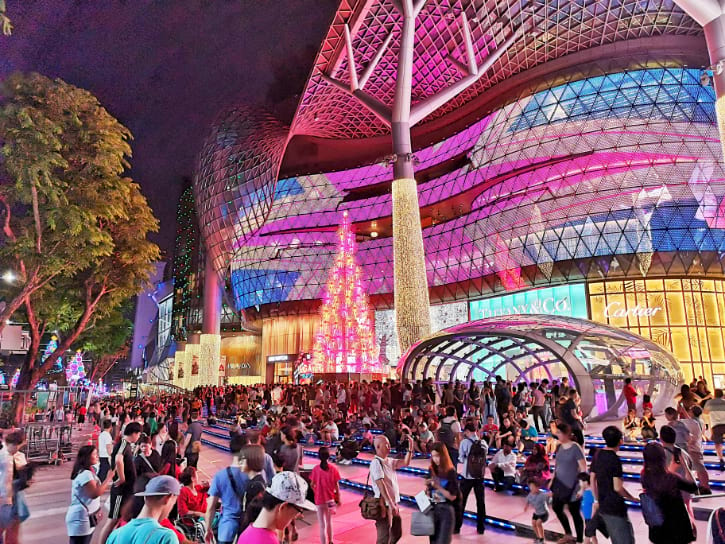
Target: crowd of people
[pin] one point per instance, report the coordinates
(146, 460)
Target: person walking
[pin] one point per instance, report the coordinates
(666, 488)
(325, 482)
(445, 493)
(192, 440)
(472, 453)
(449, 434)
(384, 482)
(105, 447)
(570, 462)
(124, 480)
(608, 488)
(227, 489)
(715, 410)
(86, 491)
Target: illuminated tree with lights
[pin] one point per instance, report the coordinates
(14, 381)
(345, 341)
(49, 349)
(75, 372)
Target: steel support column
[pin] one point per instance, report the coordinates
(711, 15)
(211, 318)
(410, 281)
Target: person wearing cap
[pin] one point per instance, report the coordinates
(159, 498)
(283, 501)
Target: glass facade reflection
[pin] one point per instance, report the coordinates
(596, 358)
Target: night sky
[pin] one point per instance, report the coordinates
(166, 69)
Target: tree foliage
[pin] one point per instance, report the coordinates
(61, 182)
(6, 27)
(74, 228)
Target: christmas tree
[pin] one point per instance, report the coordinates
(14, 381)
(76, 371)
(345, 341)
(49, 349)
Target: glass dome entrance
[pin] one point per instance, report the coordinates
(596, 358)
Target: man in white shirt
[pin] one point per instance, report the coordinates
(503, 468)
(105, 447)
(384, 481)
(342, 400)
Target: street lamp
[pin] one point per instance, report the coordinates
(9, 276)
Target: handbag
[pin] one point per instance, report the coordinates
(371, 507)
(422, 524)
(93, 518)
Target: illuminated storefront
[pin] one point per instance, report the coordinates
(565, 300)
(686, 316)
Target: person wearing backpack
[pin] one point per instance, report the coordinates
(473, 454)
(450, 433)
(663, 507)
(227, 489)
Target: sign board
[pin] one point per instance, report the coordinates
(565, 300)
(195, 365)
(279, 358)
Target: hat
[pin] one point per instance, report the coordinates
(292, 488)
(159, 486)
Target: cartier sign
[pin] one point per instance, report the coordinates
(617, 309)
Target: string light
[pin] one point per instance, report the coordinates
(412, 314)
(76, 372)
(345, 341)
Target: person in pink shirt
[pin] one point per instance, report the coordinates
(282, 502)
(325, 482)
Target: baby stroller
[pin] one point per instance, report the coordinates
(193, 527)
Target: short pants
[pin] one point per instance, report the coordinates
(543, 517)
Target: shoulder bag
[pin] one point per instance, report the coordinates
(422, 524)
(371, 507)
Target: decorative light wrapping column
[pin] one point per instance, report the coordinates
(191, 380)
(711, 15)
(212, 298)
(411, 285)
(209, 358)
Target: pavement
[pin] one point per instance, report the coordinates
(49, 496)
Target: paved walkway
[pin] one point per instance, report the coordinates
(49, 496)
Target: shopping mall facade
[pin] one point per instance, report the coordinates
(581, 177)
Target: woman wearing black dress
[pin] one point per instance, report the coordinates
(666, 488)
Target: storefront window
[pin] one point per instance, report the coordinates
(685, 316)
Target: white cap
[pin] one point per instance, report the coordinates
(292, 488)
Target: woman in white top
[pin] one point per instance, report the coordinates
(86, 492)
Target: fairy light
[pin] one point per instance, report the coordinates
(75, 373)
(412, 314)
(345, 341)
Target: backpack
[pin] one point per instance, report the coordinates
(651, 511)
(445, 435)
(477, 459)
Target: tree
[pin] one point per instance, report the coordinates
(74, 228)
(62, 160)
(345, 341)
(5, 25)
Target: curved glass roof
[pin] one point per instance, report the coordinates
(595, 357)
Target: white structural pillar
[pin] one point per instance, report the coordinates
(711, 15)
(411, 286)
(210, 339)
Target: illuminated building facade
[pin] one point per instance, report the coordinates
(587, 159)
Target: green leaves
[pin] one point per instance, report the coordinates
(77, 227)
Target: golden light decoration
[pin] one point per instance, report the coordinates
(412, 315)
